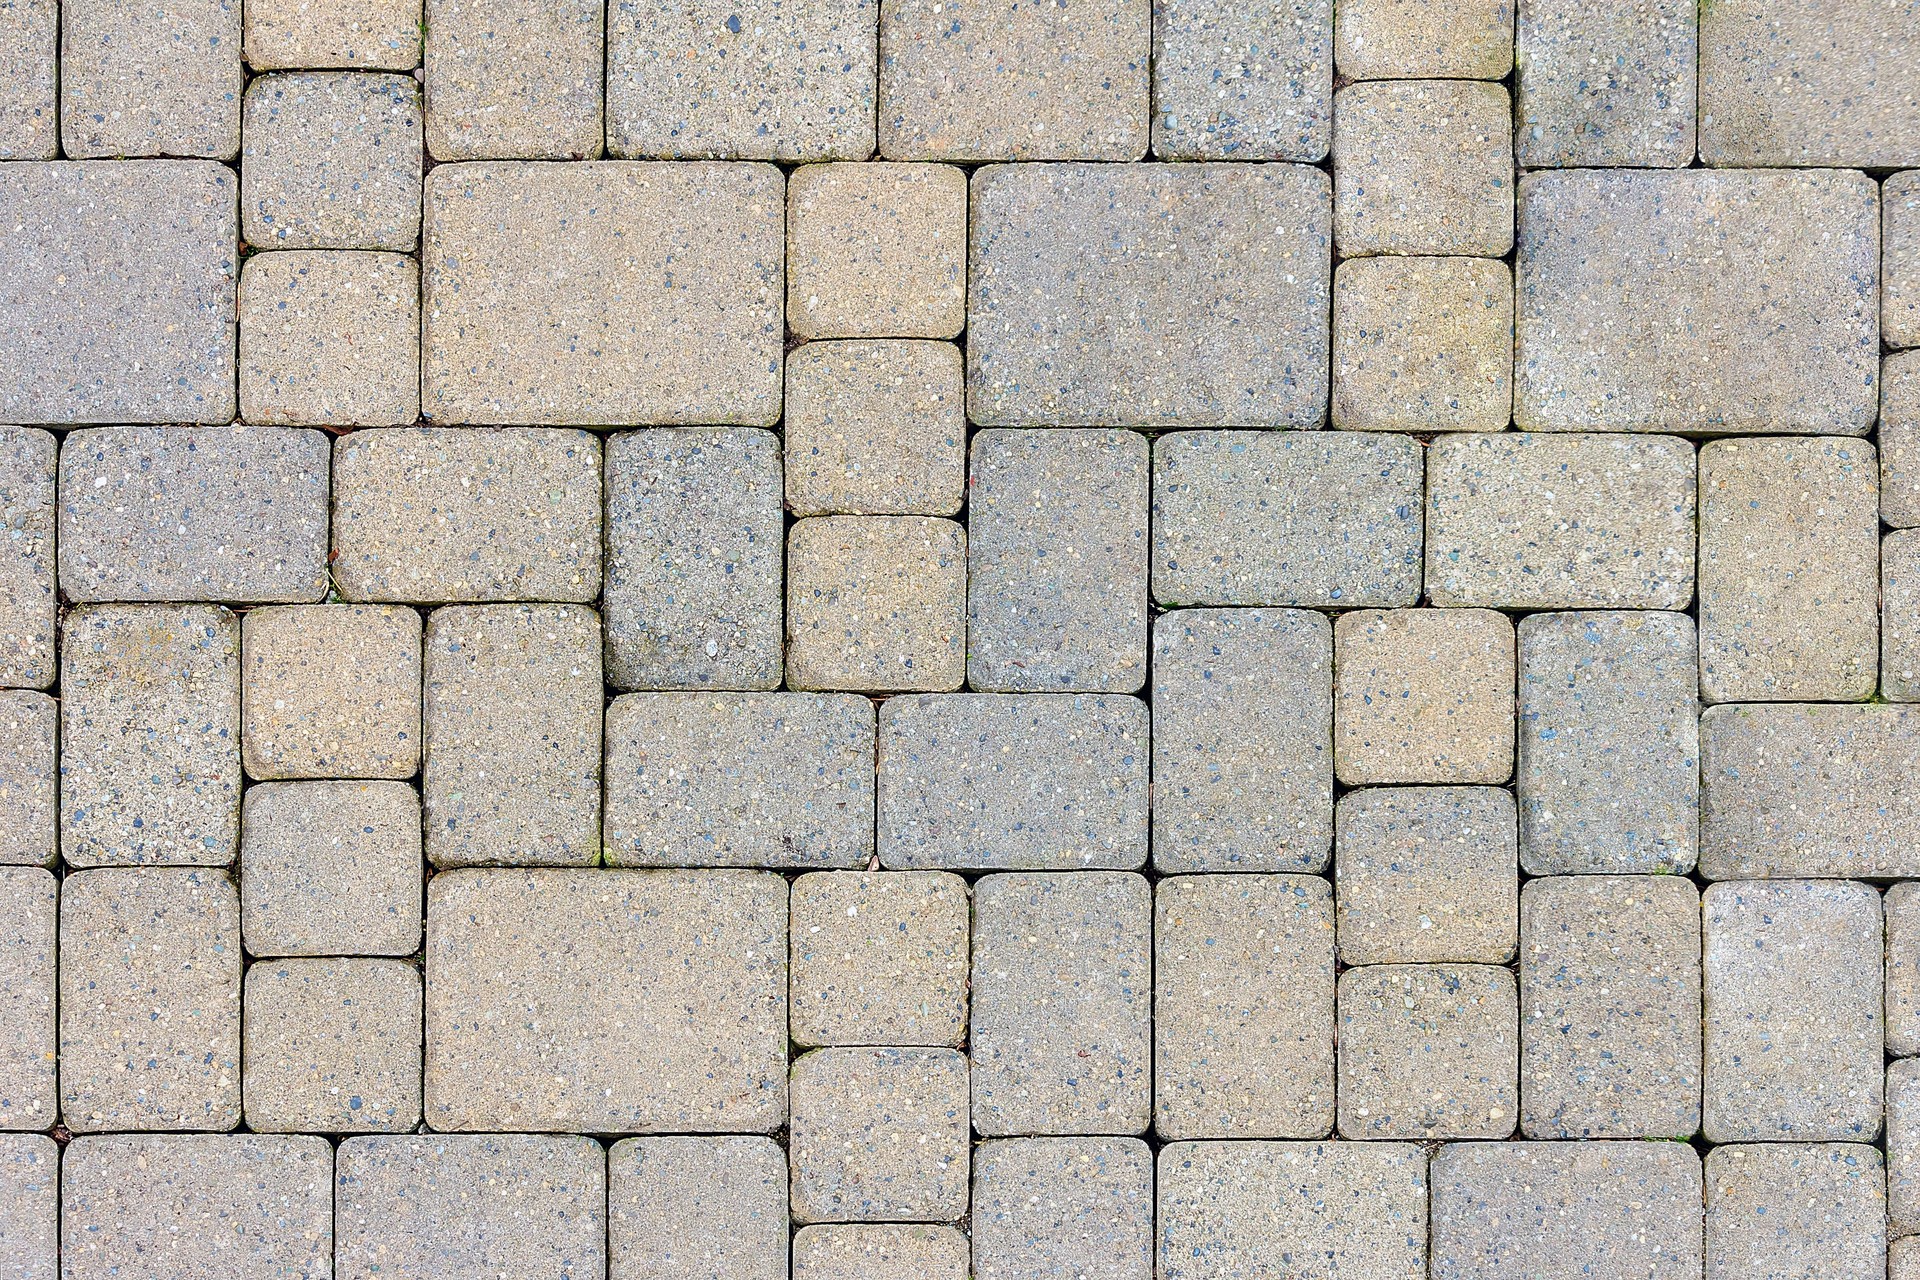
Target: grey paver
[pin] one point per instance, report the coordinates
(1045, 1207)
(27, 603)
(1422, 344)
(876, 603)
(1062, 980)
(694, 550)
(330, 691)
(1899, 438)
(330, 868)
(878, 1135)
(379, 35)
(607, 1001)
(1423, 695)
(1326, 520)
(1403, 39)
(332, 161)
(876, 428)
(512, 717)
(601, 294)
(1606, 84)
(434, 514)
(879, 958)
(505, 81)
(150, 735)
(1243, 1007)
(697, 1209)
(1617, 275)
(29, 1206)
(332, 1046)
(1013, 782)
(29, 911)
(29, 35)
(1903, 1259)
(1427, 1051)
(862, 1250)
(1812, 1211)
(1423, 166)
(1234, 84)
(1057, 561)
(1610, 1007)
(330, 339)
(1901, 905)
(149, 1000)
(29, 777)
(739, 780)
(877, 251)
(139, 81)
(1900, 259)
(1078, 311)
(1792, 986)
(1426, 874)
(1899, 601)
(1903, 1147)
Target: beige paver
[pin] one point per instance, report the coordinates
(142, 81)
(1428, 1051)
(1231, 83)
(27, 603)
(856, 1251)
(1899, 439)
(1423, 695)
(1046, 1207)
(876, 427)
(1899, 603)
(1606, 84)
(330, 868)
(878, 1135)
(1403, 39)
(1422, 344)
(1423, 167)
(29, 103)
(879, 958)
(877, 251)
(330, 691)
(379, 35)
(683, 1208)
(332, 160)
(332, 1046)
(1900, 259)
(876, 604)
(330, 339)
(29, 777)
(506, 81)
(29, 1206)
(29, 1097)
(1426, 874)
(1822, 1204)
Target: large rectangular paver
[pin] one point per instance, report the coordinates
(1604, 84)
(29, 911)
(682, 1208)
(1777, 1209)
(29, 1207)
(144, 80)
(1230, 83)
(29, 777)
(507, 80)
(27, 604)
(1050, 1207)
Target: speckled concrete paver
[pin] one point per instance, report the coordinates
(381, 35)
(877, 604)
(29, 102)
(682, 1208)
(29, 908)
(879, 957)
(859, 1250)
(1426, 874)
(332, 1046)
(330, 868)
(29, 1206)
(27, 603)
(877, 251)
(1824, 1203)
(150, 82)
(29, 777)
(1404, 39)
(330, 691)
(1427, 1051)
(1235, 84)
(1046, 1207)
(505, 81)
(877, 1135)
(330, 339)
(332, 161)
(876, 427)
(1606, 84)
(1422, 344)
(1422, 166)
(1423, 695)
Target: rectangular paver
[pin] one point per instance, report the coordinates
(1903, 1147)
(1404, 39)
(27, 603)
(509, 81)
(330, 691)
(857, 1251)
(330, 868)
(880, 958)
(1900, 259)
(1427, 1051)
(1901, 905)
(29, 911)
(1047, 1207)
(878, 1135)
(1780, 1209)
(1231, 83)
(877, 251)
(877, 604)
(1423, 695)
(332, 1046)
(382, 35)
(876, 427)
(1899, 439)
(29, 777)
(1603, 84)
(697, 1209)
(1426, 874)
(29, 1206)
(1899, 603)
(29, 38)
(139, 80)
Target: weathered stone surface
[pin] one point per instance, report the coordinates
(876, 428)
(1900, 616)
(330, 691)
(332, 161)
(1423, 166)
(29, 1206)
(1423, 695)
(1900, 260)
(877, 251)
(607, 1001)
(878, 1135)
(1427, 1051)
(876, 604)
(879, 957)
(1013, 782)
(697, 1209)
(330, 868)
(1901, 906)
(1903, 1259)
(508, 81)
(1404, 39)
(29, 777)
(1699, 301)
(1606, 84)
(1787, 1209)
(1422, 344)
(1231, 83)
(330, 339)
(1426, 874)
(1148, 296)
(1045, 1207)
(332, 1046)
(29, 911)
(139, 81)
(1899, 438)
(861, 1251)
(1243, 1007)
(27, 603)
(29, 34)
(1903, 1147)
(379, 35)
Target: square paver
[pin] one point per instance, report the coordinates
(876, 428)
(29, 39)
(330, 691)
(1422, 344)
(512, 714)
(1423, 695)
(1013, 782)
(515, 82)
(1781, 1208)
(332, 161)
(1427, 1051)
(1606, 84)
(332, 1046)
(1900, 259)
(330, 868)
(859, 1251)
(1243, 1007)
(1423, 166)
(1062, 980)
(29, 777)
(29, 1035)
(149, 1000)
(879, 958)
(1057, 561)
(1903, 1147)
(1426, 874)
(1901, 904)
(697, 1209)
(877, 251)
(376, 35)
(142, 81)
(1610, 1007)
(878, 1135)
(30, 1196)
(607, 1001)
(1047, 1207)
(330, 339)
(876, 603)
(1899, 438)
(27, 603)
(1231, 83)
(1406, 39)
(1899, 626)
(1082, 310)
(1903, 1259)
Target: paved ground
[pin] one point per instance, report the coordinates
(647, 642)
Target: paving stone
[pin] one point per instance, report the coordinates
(1793, 1015)
(1903, 1147)
(1605, 84)
(433, 514)
(1326, 519)
(1062, 979)
(330, 691)
(1047, 1207)
(607, 1001)
(332, 161)
(330, 868)
(29, 35)
(149, 1000)
(1427, 1051)
(876, 428)
(150, 735)
(1811, 1211)
(1423, 695)
(861, 1251)
(697, 1209)
(513, 706)
(1562, 1210)
(1899, 437)
(1057, 561)
(1231, 83)
(27, 604)
(508, 81)
(1899, 633)
(1405, 39)
(330, 339)
(241, 1205)
(1423, 166)
(1901, 905)
(1610, 1007)
(1617, 270)
(29, 778)
(332, 1046)
(1900, 259)
(694, 531)
(136, 81)
(1426, 874)
(878, 1134)
(601, 294)
(876, 604)
(1102, 296)
(1422, 344)
(1609, 743)
(29, 1206)
(1265, 1208)
(151, 244)
(1903, 1259)
(1243, 1007)
(29, 909)
(378, 35)
(1013, 782)
(879, 958)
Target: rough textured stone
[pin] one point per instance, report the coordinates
(29, 911)
(332, 1046)
(1404, 39)
(1903, 1259)
(29, 778)
(1426, 874)
(1326, 520)
(1148, 296)
(330, 339)
(1422, 344)
(141, 81)
(29, 1206)
(1427, 1051)
(1013, 782)
(330, 691)
(149, 1000)
(1792, 1009)
(1423, 166)
(1781, 1210)
(1903, 1147)
(1057, 561)
(1423, 695)
(607, 1001)
(1603, 84)
(1900, 616)
(1900, 259)
(510, 81)
(876, 603)
(1699, 301)
(879, 957)
(697, 1209)
(378, 35)
(330, 868)
(1230, 83)
(1062, 980)
(27, 603)
(858, 1252)
(1899, 438)
(878, 1135)
(1901, 905)
(1048, 1207)
(1243, 1007)
(601, 294)
(1610, 1007)
(877, 251)
(29, 34)
(332, 161)
(876, 428)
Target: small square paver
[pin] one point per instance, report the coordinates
(1903, 1147)
(876, 603)
(150, 735)
(876, 428)
(1428, 1051)
(149, 1000)
(512, 713)
(877, 251)
(515, 82)
(29, 1034)
(27, 603)
(1057, 561)
(1900, 616)
(1062, 985)
(330, 339)
(1423, 166)
(432, 514)
(860, 1251)
(697, 1209)
(330, 868)
(330, 691)
(29, 1206)
(1423, 695)
(1610, 1007)
(142, 81)
(1050, 1207)
(332, 1046)
(1899, 438)
(1407, 39)
(1243, 1007)
(1320, 519)
(1903, 1259)
(29, 39)
(367, 35)
(879, 1135)
(1605, 84)
(1426, 874)
(1779, 1209)
(1230, 83)
(1792, 984)
(1422, 344)
(1900, 259)
(1013, 782)
(879, 958)
(332, 160)
(29, 778)
(1789, 582)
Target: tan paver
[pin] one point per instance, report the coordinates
(29, 777)
(1900, 259)
(1231, 83)
(1426, 874)
(876, 428)
(1428, 1051)
(1603, 84)
(876, 604)
(27, 603)
(1423, 695)
(878, 1135)
(330, 868)
(1404, 39)
(1046, 1207)
(1422, 344)
(29, 39)
(509, 81)
(138, 80)
(29, 1097)
(697, 1209)
(877, 251)
(330, 691)
(858, 1251)
(1899, 438)
(29, 1206)
(879, 958)
(1423, 167)
(330, 339)
(332, 1046)
(1823, 1203)
(378, 35)
(332, 160)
